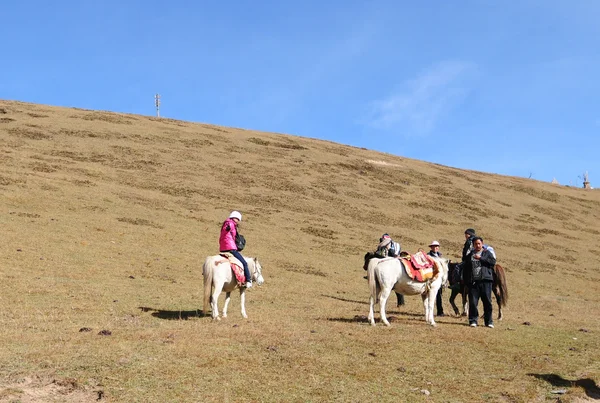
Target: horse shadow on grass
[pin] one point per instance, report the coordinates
(589, 385)
(173, 315)
(355, 319)
(394, 316)
(364, 319)
(345, 299)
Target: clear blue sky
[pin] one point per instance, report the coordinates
(509, 87)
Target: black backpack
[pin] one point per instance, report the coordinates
(240, 241)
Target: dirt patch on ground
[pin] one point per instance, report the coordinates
(33, 389)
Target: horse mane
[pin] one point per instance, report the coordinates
(501, 277)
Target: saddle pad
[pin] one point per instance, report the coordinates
(421, 261)
(239, 273)
(420, 275)
(236, 267)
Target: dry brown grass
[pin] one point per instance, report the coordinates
(106, 219)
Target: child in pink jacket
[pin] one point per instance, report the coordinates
(227, 242)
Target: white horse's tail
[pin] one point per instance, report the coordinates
(207, 272)
(372, 279)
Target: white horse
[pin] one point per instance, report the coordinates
(389, 274)
(218, 277)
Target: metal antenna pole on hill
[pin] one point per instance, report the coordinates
(157, 103)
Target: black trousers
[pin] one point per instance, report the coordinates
(483, 290)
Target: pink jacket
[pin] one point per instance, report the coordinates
(227, 238)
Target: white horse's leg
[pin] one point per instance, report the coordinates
(385, 293)
(425, 298)
(227, 299)
(215, 298)
(428, 304)
(372, 302)
(243, 302)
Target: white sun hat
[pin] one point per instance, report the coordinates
(236, 214)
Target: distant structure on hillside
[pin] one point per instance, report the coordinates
(157, 103)
(555, 182)
(586, 181)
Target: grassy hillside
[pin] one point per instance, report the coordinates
(107, 218)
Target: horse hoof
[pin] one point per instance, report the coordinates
(386, 323)
(245, 316)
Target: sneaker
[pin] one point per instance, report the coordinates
(248, 284)
(473, 325)
(491, 325)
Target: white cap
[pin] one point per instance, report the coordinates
(236, 214)
(434, 243)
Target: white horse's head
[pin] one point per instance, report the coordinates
(443, 266)
(257, 272)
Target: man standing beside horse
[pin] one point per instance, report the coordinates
(435, 252)
(456, 279)
(468, 246)
(478, 274)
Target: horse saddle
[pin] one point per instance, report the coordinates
(236, 267)
(419, 266)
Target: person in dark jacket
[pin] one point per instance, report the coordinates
(478, 274)
(434, 250)
(468, 246)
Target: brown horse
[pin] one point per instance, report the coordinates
(499, 289)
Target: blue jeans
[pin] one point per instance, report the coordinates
(239, 257)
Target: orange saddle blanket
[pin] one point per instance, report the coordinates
(419, 266)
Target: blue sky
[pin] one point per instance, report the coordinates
(508, 87)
